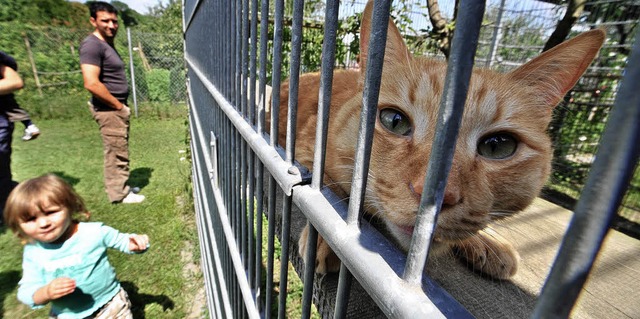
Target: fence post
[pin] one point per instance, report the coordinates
(497, 35)
(33, 63)
(132, 71)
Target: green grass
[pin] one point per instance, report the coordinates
(295, 286)
(70, 146)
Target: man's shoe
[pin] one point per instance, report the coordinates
(30, 133)
(133, 198)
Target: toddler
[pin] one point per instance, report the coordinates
(65, 260)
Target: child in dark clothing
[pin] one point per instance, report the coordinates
(10, 107)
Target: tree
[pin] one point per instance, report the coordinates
(43, 12)
(129, 16)
(573, 13)
(165, 18)
(442, 29)
(623, 16)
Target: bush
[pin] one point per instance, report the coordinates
(158, 85)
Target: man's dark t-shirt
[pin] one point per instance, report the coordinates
(112, 72)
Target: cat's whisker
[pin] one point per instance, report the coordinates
(498, 214)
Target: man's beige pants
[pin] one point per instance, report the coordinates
(114, 128)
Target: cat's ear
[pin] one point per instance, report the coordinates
(396, 50)
(555, 72)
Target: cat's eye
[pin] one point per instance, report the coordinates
(395, 121)
(497, 146)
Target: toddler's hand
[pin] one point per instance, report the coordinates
(138, 243)
(60, 287)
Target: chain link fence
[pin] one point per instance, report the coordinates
(49, 62)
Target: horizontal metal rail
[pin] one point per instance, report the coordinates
(396, 298)
(233, 247)
(268, 155)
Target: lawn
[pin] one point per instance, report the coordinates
(165, 281)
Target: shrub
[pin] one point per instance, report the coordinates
(158, 85)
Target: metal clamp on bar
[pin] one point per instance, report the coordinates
(213, 153)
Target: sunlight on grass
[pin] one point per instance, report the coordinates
(294, 284)
(157, 283)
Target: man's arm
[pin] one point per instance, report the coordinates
(10, 81)
(90, 75)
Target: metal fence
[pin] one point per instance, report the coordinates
(49, 62)
(512, 33)
(233, 50)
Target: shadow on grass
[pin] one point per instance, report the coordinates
(139, 301)
(8, 281)
(140, 177)
(73, 181)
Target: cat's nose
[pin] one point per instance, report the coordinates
(451, 196)
(416, 190)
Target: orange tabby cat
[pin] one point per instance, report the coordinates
(502, 157)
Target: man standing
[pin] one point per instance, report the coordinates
(104, 76)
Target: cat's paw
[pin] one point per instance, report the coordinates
(490, 254)
(326, 259)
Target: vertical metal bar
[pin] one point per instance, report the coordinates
(309, 271)
(284, 256)
(238, 55)
(459, 69)
(264, 37)
(237, 187)
(294, 76)
(253, 61)
(238, 295)
(252, 157)
(242, 245)
(243, 148)
(228, 168)
(275, 112)
(235, 52)
(277, 70)
(233, 179)
(235, 41)
(245, 56)
(271, 232)
(250, 216)
(495, 38)
(326, 82)
(258, 242)
(132, 71)
(294, 64)
(342, 296)
(213, 152)
(377, 40)
(264, 32)
(228, 50)
(606, 185)
(243, 200)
